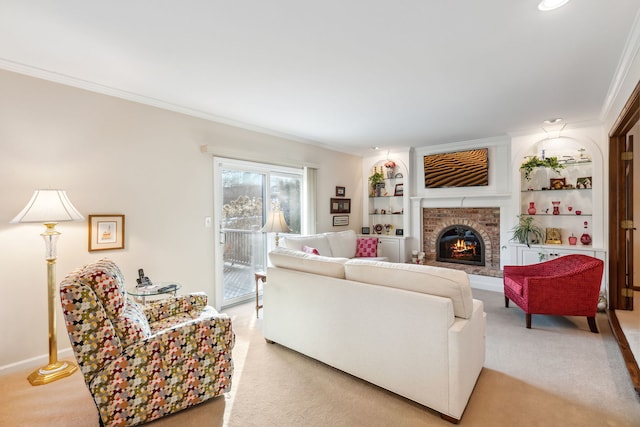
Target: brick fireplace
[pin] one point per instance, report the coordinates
(484, 221)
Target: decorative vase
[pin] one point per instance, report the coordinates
(532, 208)
(556, 208)
(573, 240)
(585, 239)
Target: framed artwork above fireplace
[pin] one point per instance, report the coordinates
(457, 169)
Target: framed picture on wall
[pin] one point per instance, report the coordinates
(106, 232)
(340, 220)
(340, 192)
(339, 206)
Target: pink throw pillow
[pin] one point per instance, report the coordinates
(367, 247)
(310, 250)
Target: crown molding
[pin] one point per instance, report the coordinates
(90, 86)
(629, 53)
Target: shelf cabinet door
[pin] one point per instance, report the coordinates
(390, 248)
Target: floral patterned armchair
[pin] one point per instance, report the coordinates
(144, 362)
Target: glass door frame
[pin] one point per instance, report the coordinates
(267, 170)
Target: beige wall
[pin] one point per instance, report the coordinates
(116, 156)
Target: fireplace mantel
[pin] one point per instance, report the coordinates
(460, 199)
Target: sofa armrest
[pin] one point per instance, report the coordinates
(466, 357)
(191, 304)
(171, 370)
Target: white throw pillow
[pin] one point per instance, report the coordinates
(443, 282)
(317, 241)
(301, 261)
(343, 243)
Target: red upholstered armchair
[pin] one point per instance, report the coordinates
(565, 286)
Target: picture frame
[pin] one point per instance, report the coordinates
(340, 191)
(340, 220)
(399, 190)
(468, 168)
(106, 232)
(399, 232)
(366, 230)
(584, 183)
(557, 183)
(340, 206)
(553, 236)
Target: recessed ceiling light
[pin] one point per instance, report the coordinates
(547, 5)
(375, 148)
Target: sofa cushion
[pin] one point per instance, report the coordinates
(342, 243)
(443, 282)
(309, 263)
(310, 250)
(367, 247)
(318, 241)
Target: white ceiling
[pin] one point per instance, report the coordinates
(350, 74)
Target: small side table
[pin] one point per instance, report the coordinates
(259, 277)
(142, 292)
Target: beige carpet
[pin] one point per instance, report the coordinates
(556, 374)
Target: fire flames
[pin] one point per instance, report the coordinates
(463, 249)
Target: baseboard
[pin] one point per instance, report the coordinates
(35, 362)
(486, 283)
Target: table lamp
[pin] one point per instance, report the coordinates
(276, 224)
(50, 207)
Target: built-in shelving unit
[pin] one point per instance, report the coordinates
(386, 201)
(386, 209)
(570, 189)
(573, 189)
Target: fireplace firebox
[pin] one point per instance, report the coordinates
(460, 244)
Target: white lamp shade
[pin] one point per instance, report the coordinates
(48, 206)
(275, 223)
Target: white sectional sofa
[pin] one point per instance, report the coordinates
(412, 329)
(341, 244)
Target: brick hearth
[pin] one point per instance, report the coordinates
(486, 221)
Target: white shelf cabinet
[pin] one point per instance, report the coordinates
(395, 248)
(391, 207)
(389, 248)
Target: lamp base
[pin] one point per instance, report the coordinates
(52, 372)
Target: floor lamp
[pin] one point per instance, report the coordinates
(50, 207)
(276, 224)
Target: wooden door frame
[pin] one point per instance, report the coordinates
(618, 299)
(627, 119)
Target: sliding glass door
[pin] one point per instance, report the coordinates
(244, 194)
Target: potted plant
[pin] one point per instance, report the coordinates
(525, 229)
(536, 162)
(376, 178)
(377, 181)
